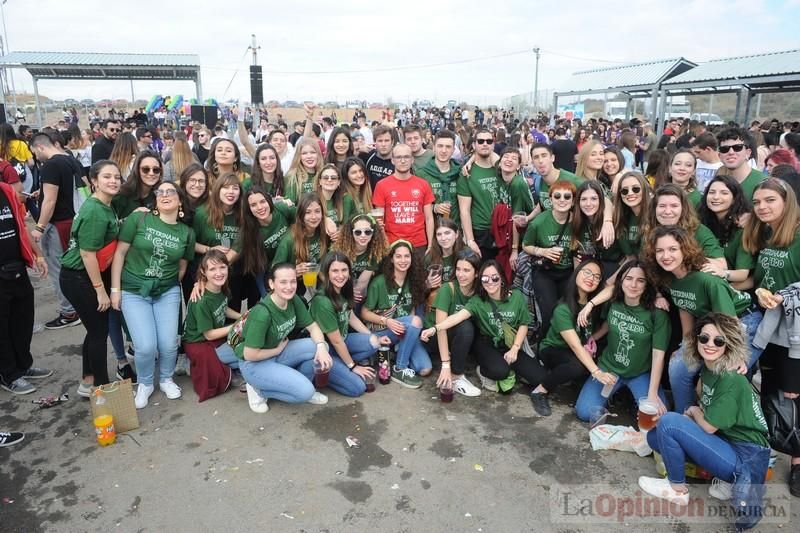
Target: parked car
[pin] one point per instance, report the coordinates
(331, 104)
(273, 104)
(712, 119)
(291, 103)
(376, 105)
(87, 102)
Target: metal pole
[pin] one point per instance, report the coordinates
(38, 104)
(8, 49)
(536, 81)
(758, 106)
(133, 97)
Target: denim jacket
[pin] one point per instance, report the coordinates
(747, 493)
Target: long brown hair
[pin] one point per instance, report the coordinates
(338, 195)
(688, 219)
(253, 257)
(623, 212)
(257, 176)
(693, 257)
(361, 195)
(582, 223)
(182, 155)
(415, 275)
(436, 254)
(123, 152)
(758, 235)
(299, 236)
(216, 211)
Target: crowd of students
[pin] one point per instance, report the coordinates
(542, 273)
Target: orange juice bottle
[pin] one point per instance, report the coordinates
(103, 420)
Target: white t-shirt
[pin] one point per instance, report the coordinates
(705, 172)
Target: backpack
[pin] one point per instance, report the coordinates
(783, 423)
(236, 334)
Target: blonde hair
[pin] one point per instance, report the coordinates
(737, 351)
(297, 174)
(758, 235)
(583, 157)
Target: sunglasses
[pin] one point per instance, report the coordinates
(150, 170)
(588, 274)
(329, 178)
(114, 130)
(492, 279)
(735, 147)
(484, 141)
(165, 192)
(719, 340)
(558, 196)
(626, 191)
(360, 232)
(196, 181)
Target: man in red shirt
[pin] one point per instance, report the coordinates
(407, 200)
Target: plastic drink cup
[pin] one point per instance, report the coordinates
(377, 214)
(597, 416)
(310, 277)
(446, 393)
(370, 383)
(104, 428)
(648, 411)
(321, 375)
(435, 270)
(447, 215)
(606, 392)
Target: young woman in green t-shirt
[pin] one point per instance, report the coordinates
(587, 224)
(356, 184)
(443, 251)
(137, 191)
(332, 309)
(364, 244)
(193, 182)
(726, 433)
(682, 167)
(339, 206)
(267, 173)
(84, 281)
(637, 335)
(306, 165)
(306, 241)
(224, 158)
(631, 209)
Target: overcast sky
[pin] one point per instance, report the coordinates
(299, 41)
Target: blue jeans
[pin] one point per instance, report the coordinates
(115, 335)
(342, 379)
(590, 393)
(286, 377)
(677, 437)
(410, 350)
(681, 378)
(153, 325)
(226, 355)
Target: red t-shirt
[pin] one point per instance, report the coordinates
(7, 173)
(403, 201)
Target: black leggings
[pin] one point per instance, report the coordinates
(778, 370)
(16, 327)
(460, 341)
(548, 287)
(561, 365)
(495, 367)
(77, 288)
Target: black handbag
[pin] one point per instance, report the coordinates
(781, 414)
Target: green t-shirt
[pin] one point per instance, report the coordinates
(513, 311)
(422, 159)
(481, 186)
(211, 236)
(267, 324)
(630, 240)
(708, 242)
(348, 210)
(247, 184)
(448, 267)
(544, 187)
(205, 314)
(290, 190)
(633, 333)
(543, 232)
(695, 198)
(735, 255)
(731, 405)
(749, 184)
(272, 233)
(363, 263)
(449, 299)
(443, 184)
(589, 242)
(381, 299)
(156, 248)
(777, 268)
(563, 320)
(124, 205)
(327, 317)
(94, 226)
(515, 194)
(285, 251)
(700, 293)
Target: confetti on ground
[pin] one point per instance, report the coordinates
(467, 515)
(352, 442)
(290, 517)
(478, 467)
(259, 460)
(204, 437)
(451, 417)
(8, 501)
(395, 486)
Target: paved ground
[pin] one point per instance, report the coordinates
(484, 464)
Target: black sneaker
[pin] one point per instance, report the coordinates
(9, 439)
(541, 404)
(63, 321)
(37, 373)
(18, 386)
(126, 372)
(794, 481)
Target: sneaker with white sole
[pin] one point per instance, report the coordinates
(662, 488)
(37, 373)
(85, 390)
(170, 388)
(10, 439)
(258, 404)
(318, 398)
(406, 377)
(63, 321)
(719, 489)
(486, 383)
(18, 386)
(143, 393)
(463, 386)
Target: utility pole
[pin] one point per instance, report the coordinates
(256, 76)
(254, 48)
(536, 81)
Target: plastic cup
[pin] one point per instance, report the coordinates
(447, 215)
(446, 393)
(370, 383)
(321, 375)
(310, 277)
(377, 213)
(435, 270)
(606, 392)
(597, 416)
(648, 411)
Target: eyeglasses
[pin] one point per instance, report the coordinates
(633, 190)
(165, 192)
(484, 141)
(490, 279)
(329, 178)
(150, 170)
(588, 274)
(719, 340)
(735, 147)
(148, 135)
(360, 232)
(403, 157)
(558, 196)
(196, 181)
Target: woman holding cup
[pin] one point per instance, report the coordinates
(332, 309)
(726, 434)
(443, 252)
(637, 335)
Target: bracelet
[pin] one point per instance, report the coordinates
(596, 370)
(351, 366)
(323, 344)
(515, 248)
(97, 285)
(40, 228)
(40, 259)
(114, 289)
(591, 302)
(436, 329)
(384, 320)
(446, 364)
(608, 220)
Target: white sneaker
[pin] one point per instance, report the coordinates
(170, 388)
(143, 393)
(662, 488)
(318, 398)
(721, 490)
(488, 384)
(463, 386)
(258, 404)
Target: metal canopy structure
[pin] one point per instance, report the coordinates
(747, 76)
(104, 66)
(637, 80)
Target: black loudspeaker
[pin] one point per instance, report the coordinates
(256, 85)
(205, 114)
(2, 113)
